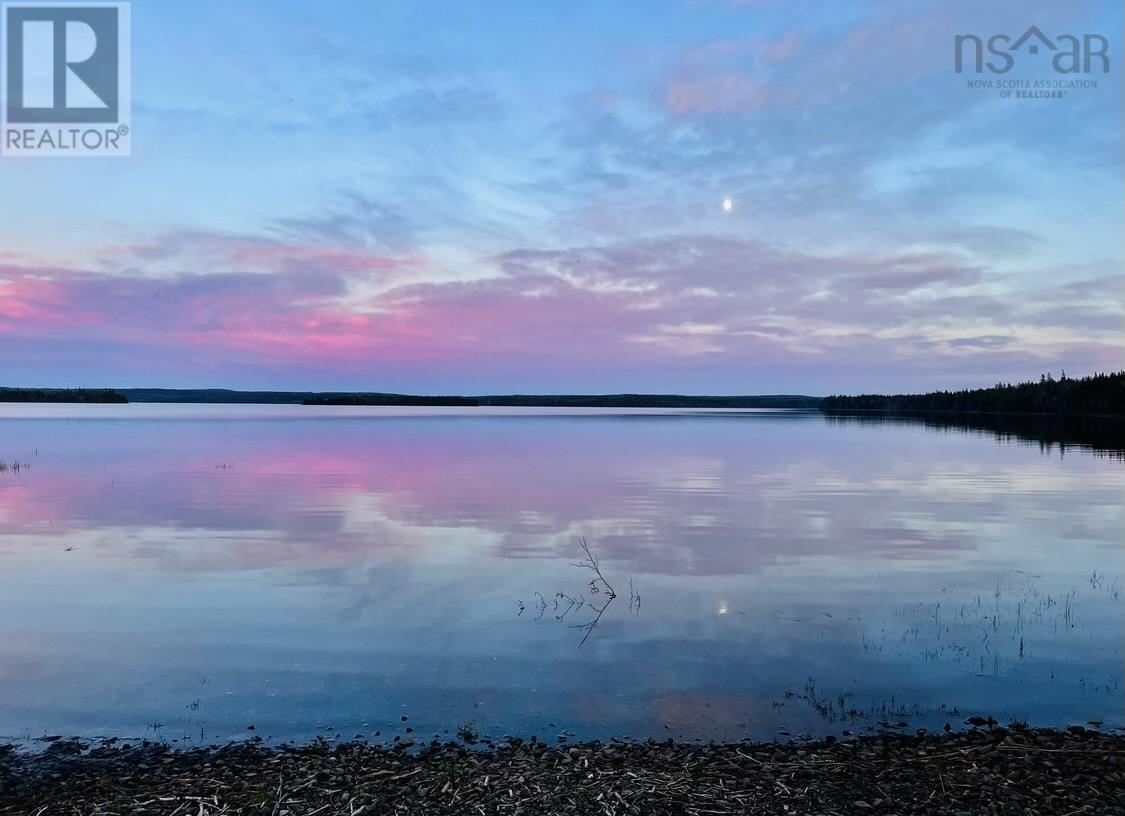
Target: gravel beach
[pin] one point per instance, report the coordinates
(996, 771)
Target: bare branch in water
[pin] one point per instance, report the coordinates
(591, 625)
(591, 562)
(564, 604)
(571, 603)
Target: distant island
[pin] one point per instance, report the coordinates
(232, 397)
(650, 401)
(384, 399)
(1096, 395)
(61, 395)
(222, 395)
(1099, 394)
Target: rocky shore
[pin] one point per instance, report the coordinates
(992, 771)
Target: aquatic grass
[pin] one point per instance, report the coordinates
(997, 636)
(467, 732)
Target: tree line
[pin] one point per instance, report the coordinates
(61, 395)
(384, 399)
(1096, 394)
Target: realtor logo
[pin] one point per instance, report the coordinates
(66, 79)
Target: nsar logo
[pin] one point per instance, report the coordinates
(1069, 54)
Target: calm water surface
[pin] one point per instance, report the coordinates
(184, 572)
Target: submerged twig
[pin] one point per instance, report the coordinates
(599, 586)
(591, 562)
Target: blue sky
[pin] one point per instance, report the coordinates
(509, 196)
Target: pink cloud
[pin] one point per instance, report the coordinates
(691, 301)
(729, 76)
(724, 92)
(31, 296)
(891, 44)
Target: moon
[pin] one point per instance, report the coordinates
(728, 205)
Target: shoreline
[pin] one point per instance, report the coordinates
(997, 770)
(922, 412)
(797, 404)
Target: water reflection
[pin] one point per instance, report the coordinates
(1104, 435)
(326, 575)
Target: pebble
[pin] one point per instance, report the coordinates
(1050, 773)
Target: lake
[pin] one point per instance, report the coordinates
(186, 572)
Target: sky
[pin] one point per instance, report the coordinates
(496, 197)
